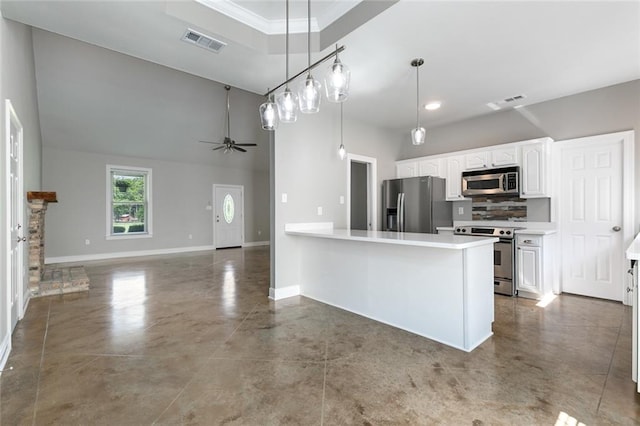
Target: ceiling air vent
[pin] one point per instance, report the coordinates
(512, 101)
(201, 40)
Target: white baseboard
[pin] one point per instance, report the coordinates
(5, 349)
(118, 255)
(256, 244)
(284, 292)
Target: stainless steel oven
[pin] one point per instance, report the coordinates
(503, 255)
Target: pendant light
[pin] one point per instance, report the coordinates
(287, 101)
(342, 152)
(310, 90)
(418, 134)
(336, 81)
(269, 114)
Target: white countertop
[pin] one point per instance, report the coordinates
(456, 242)
(633, 251)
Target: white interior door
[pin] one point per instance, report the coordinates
(228, 225)
(16, 214)
(591, 216)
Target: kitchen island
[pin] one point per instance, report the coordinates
(436, 286)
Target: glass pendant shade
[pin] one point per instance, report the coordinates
(418, 135)
(310, 95)
(269, 115)
(336, 81)
(287, 102)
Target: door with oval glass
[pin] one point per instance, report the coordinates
(228, 221)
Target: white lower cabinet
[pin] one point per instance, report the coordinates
(534, 265)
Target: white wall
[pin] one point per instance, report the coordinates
(17, 82)
(308, 169)
(181, 191)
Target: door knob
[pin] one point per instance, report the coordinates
(19, 226)
(616, 228)
(18, 240)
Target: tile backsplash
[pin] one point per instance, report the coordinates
(499, 208)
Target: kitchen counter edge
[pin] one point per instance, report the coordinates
(455, 242)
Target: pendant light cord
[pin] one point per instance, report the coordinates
(417, 96)
(309, 35)
(287, 40)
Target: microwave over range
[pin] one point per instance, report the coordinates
(501, 181)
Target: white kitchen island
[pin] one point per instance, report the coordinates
(436, 286)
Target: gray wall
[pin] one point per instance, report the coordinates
(181, 192)
(17, 83)
(308, 169)
(607, 110)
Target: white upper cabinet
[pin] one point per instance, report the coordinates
(405, 169)
(506, 156)
(476, 160)
(455, 165)
(431, 167)
(534, 169)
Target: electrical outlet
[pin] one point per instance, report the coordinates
(460, 211)
(87, 242)
(190, 237)
(319, 211)
(342, 199)
(259, 232)
(284, 197)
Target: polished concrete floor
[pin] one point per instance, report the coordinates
(193, 339)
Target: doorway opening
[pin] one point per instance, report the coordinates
(362, 200)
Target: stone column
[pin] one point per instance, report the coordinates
(38, 202)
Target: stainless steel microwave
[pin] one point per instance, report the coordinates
(491, 181)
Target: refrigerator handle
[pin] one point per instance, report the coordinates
(401, 213)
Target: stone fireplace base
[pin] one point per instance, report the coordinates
(47, 280)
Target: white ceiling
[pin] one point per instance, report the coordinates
(475, 52)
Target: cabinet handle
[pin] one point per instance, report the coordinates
(527, 241)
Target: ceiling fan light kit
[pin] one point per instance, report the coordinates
(228, 144)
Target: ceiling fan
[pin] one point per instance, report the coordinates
(228, 144)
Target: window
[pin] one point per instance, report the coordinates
(128, 202)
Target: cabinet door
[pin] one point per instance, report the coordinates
(455, 166)
(476, 160)
(430, 167)
(507, 156)
(404, 170)
(529, 269)
(533, 171)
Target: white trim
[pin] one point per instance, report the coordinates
(284, 292)
(256, 244)
(5, 350)
(148, 208)
(372, 192)
(628, 191)
(121, 254)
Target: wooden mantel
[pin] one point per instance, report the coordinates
(46, 196)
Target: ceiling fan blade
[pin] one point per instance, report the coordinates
(216, 143)
(246, 144)
(237, 148)
(220, 147)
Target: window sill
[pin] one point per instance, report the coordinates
(128, 236)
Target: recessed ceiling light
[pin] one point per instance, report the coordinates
(432, 106)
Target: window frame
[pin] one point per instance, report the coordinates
(110, 235)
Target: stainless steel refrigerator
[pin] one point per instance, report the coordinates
(415, 204)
